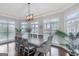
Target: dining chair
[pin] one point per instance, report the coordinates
(18, 42)
(27, 48)
(45, 48)
(24, 44)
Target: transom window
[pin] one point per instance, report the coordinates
(72, 15)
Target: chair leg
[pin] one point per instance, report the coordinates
(36, 54)
(50, 52)
(45, 54)
(28, 53)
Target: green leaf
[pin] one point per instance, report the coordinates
(61, 33)
(72, 36)
(68, 46)
(18, 29)
(77, 35)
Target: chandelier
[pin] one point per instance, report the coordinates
(29, 17)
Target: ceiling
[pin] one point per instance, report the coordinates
(20, 10)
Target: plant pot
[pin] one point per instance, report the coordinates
(18, 34)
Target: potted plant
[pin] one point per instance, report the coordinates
(70, 43)
(18, 32)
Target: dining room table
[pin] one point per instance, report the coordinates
(36, 42)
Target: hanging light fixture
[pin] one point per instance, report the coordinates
(29, 17)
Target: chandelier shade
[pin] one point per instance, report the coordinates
(29, 17)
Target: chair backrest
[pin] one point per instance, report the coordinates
(47, 45)
(30, 35)
(34, 35)
(25, 43)
(50, 39)
(18, 38)
(40, 36)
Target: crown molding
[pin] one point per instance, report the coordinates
(36, 16)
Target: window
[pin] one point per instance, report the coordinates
(34, 27)
(24, 32)
(72, 25)
(7, 31)
(11, 31)
(3, 32)
(72, 22)
(48, 26)
(51, 26)
(73, 15)
(24, 26)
